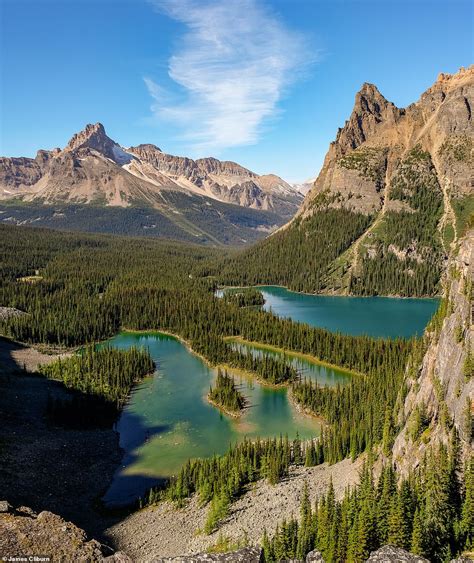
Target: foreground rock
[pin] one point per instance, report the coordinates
(9, 312)
(27, 534)
(245, 555)
(389, 553)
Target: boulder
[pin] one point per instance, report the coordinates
(389, 554)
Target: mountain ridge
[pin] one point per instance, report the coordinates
(222, 180)
(205, 200)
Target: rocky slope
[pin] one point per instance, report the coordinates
(385, 160)
(165, 531)
(94, 170)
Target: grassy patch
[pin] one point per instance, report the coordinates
(464, 212)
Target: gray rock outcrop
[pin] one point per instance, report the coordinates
(391, 554)
(244, 555)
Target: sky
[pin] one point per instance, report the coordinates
(265, 83)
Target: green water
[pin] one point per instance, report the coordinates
(375, 316)
(168, 419)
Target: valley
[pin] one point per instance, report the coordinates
(327, 407)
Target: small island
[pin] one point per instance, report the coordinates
(225, 394)
(245, 297)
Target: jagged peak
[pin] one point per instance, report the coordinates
(369, 100)
(94, 137)
(90, 135)
(371, 109)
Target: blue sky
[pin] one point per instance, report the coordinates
(263, 82)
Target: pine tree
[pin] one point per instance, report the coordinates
(467, 512)
(417, 544)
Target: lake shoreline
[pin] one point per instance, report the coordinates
(246, 373)
(228, 412)
(425, 297)
(300, 355)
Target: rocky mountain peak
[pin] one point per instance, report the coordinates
(94, 137)
(369, 100)
(371, 110)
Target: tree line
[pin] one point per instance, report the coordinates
(429, 513)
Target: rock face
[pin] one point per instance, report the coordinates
(25, 533)
(443, 387)
(94, 168)
(314, 557)
(8, 312)
(378, 134)
(388, 164)
(391, 554)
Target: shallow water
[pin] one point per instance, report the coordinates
(168, 419)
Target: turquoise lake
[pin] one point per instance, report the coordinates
(387, 317)
(168, 419)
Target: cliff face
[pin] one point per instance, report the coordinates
(378, 135)
(387, 163)
(441, 390)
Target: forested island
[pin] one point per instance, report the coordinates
(226, 395)
(244, 297)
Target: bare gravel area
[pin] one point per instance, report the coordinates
(164, 531)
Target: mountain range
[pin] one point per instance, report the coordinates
(205, 200)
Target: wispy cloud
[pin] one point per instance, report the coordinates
(233, 63)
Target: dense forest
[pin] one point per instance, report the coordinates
(77, 290)
(430, 513)
(402, 255)
(225, 393)
(294, 256)
(89, 287)
(406, 247)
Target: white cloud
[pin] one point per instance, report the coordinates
(233, 63)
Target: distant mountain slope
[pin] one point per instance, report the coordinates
(394, 195)
(204, 200)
